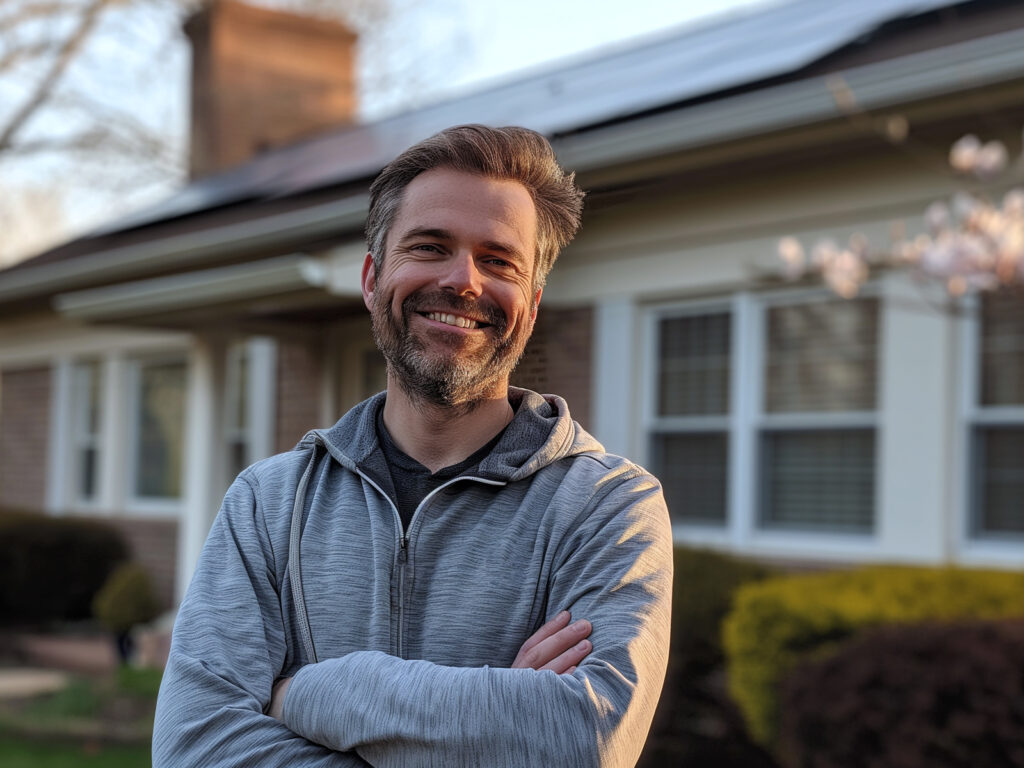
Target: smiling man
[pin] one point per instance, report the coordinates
(456, 573)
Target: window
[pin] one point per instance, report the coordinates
(86, 392)
(817, 447)
(159, 429)
(997, 432)
(766, 410)
(237, 427)
(690, 440)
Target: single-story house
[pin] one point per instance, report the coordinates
(142, 366)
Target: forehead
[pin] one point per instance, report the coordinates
(472, 207)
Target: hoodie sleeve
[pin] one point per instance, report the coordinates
(615, 570)
(227, 649)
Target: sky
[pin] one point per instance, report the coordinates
(439, 48)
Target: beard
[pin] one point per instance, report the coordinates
(448, 377)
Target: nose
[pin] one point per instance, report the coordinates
(461, 275)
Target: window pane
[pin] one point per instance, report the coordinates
(818, 480)
(821, 356)
(238, 398)
(692, 469)
(1002, 348)
(87, 468)
(161, 426)
(999, 479)
(693, 365)
(87, 383)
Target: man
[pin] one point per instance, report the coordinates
(397, 590)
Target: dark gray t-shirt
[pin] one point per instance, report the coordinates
(411, 481)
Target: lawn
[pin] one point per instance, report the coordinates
(92, 723)
(21, 753)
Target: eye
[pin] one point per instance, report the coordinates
(428, 247)
(497, 261)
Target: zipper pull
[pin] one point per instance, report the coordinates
(401, 552)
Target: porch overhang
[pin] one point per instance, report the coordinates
(236, 294)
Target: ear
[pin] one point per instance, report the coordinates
(368, 280)
(536, 304)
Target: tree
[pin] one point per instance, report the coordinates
(93, 100)
(970, 243)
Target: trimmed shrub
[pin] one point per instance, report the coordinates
(51, 567)
(695, 722)
(906, 696)
(126, 599)
(781, 621)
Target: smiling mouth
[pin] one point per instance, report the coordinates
(456, 320)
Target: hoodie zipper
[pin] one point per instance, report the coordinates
(402, 551)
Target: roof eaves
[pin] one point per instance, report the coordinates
(185, 250)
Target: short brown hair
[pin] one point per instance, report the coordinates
(513, 153)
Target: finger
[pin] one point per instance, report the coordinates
(546, 631)
(550, 648)
(569, 659)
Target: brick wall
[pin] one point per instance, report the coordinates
(299, 373)
(154, 545)
(24, 437)
(558, 358)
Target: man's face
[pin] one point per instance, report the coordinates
(453, 305)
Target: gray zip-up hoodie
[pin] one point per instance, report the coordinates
(400, 641)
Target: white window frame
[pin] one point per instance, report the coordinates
(704, 531)
(765, 421)
(78, 439)
(747, 420)
(257, 433)
(986, 547)
(145, 505)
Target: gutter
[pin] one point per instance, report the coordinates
(186, 250)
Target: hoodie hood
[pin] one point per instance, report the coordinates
(541, 432)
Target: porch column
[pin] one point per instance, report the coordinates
(616, 360)
(203, 454)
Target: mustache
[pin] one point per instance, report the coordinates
(457, 305)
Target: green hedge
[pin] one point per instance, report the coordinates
(949, 695)
(52, 567)
(780, 621)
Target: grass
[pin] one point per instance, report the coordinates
(91, 723)
(18, 752)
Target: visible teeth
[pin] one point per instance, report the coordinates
(450, 319)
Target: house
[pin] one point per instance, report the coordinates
(173, 347)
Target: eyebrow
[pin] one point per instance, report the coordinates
(448, 235)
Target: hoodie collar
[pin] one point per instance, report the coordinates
(540, 433)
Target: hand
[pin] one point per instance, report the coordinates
(558, 646)
(277, 698)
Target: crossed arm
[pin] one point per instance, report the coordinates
(557, 646)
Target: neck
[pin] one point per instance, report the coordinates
(437, 436)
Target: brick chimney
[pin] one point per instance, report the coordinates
(264, 78)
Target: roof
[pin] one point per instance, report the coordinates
(743, 75)
(690, 63)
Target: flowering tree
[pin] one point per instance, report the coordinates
(969, 243)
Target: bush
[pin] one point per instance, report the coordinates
(126, 599)
(51, 567)
(925, 695)
(780, 621)
(695, 722)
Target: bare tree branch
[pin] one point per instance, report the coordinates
(17, 55)
(60, 63)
